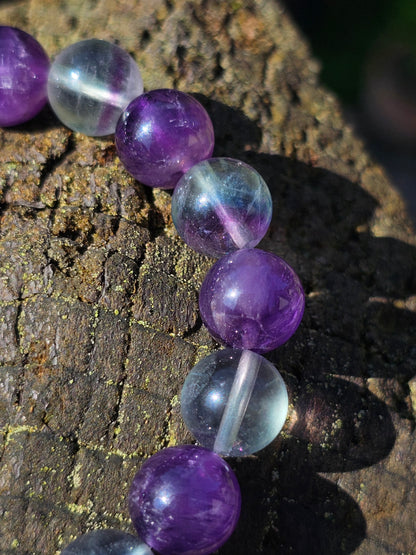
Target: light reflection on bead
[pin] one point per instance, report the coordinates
(234, 402)
(221, 205)
(90, 83)
(107, 542)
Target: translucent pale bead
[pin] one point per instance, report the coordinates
(234, 402)
(221, 205)
(107, 542)
(90, 83)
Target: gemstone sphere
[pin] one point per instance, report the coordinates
(234, 402)
(107, 542)
(161, 135)
(251, 299)
(185, 500)
(221, 205)
(24, 69)
(89, 85)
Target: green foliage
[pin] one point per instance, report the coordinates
(344, 33)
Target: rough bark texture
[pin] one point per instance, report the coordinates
(99, 320)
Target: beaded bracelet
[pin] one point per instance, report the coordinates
(185, 499)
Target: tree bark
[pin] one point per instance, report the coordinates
(99, 321)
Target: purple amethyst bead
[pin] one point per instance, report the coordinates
(251, 299)
(24, 69)
(162, 134)
(185, 500)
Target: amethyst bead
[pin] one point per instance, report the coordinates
(162, 134)
(251, 299)
(185, 500)
(24, 69)
(221, 205)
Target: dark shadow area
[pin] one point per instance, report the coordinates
(337, 426)
(43, 121)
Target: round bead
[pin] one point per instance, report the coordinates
(161, 135)
(107, 542)
(234, 402)
(24, 69)
(90, 83)
(221, 205)
(251, 299)
(185, 500)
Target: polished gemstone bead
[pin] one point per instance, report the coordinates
(221, 205)
(161, 135)
(24, 69)
(90, 83)
(107, 542)
(234, 402)
(251, 299)
(185, 500)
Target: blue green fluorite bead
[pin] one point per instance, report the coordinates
(234, 402)
(107, 542)
(221, 205)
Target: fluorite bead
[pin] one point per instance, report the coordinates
(24, 69)
(185, 500)
(107, 542)
(234, 402)
(90, 83)
(161, 135)
(251, 299)
(221, 205)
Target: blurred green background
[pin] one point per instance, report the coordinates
(344, 34)
(367, 50)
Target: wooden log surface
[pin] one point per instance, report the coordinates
(99, 320)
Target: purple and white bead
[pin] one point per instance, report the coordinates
(221, 205)
(107, 542)
(234, 402)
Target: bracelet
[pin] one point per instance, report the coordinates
(184, 499)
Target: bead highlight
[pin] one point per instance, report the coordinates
(161, 135)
